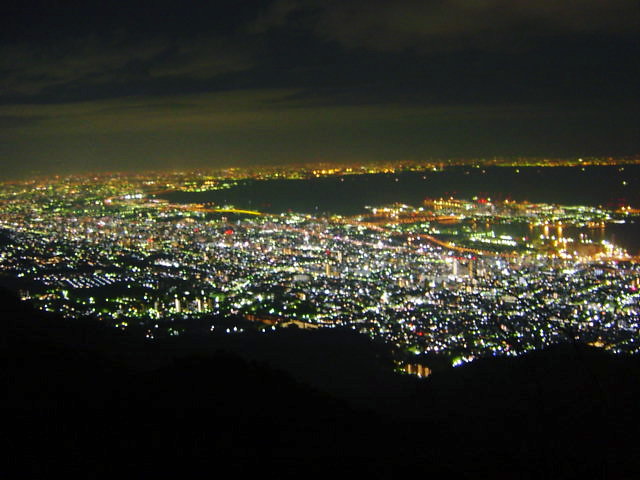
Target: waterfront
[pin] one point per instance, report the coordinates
(456, 278)
(607, 186)
(348, 194)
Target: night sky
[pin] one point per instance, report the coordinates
(88, 86)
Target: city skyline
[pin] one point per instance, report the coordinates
(403, 235)
(154, 85)
(168, 254)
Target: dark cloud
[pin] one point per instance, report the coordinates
(85, 85)
(446, 25)
(92, 62)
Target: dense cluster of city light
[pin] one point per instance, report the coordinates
(428, 279)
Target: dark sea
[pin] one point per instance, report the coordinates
(605, 186)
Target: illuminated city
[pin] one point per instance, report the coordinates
(436, 278)
(365, 237)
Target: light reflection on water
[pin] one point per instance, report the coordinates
(609, 187)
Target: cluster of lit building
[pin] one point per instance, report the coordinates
(107, 248)
(480, 225)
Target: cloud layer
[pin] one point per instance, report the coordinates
(85, 85)
(449, 24)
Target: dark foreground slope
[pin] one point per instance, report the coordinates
(93, 401)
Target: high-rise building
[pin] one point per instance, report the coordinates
(327, 269)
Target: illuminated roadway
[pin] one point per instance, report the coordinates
(199, 208)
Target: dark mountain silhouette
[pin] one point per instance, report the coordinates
(94, 401)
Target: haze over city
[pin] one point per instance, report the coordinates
(88, 86)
